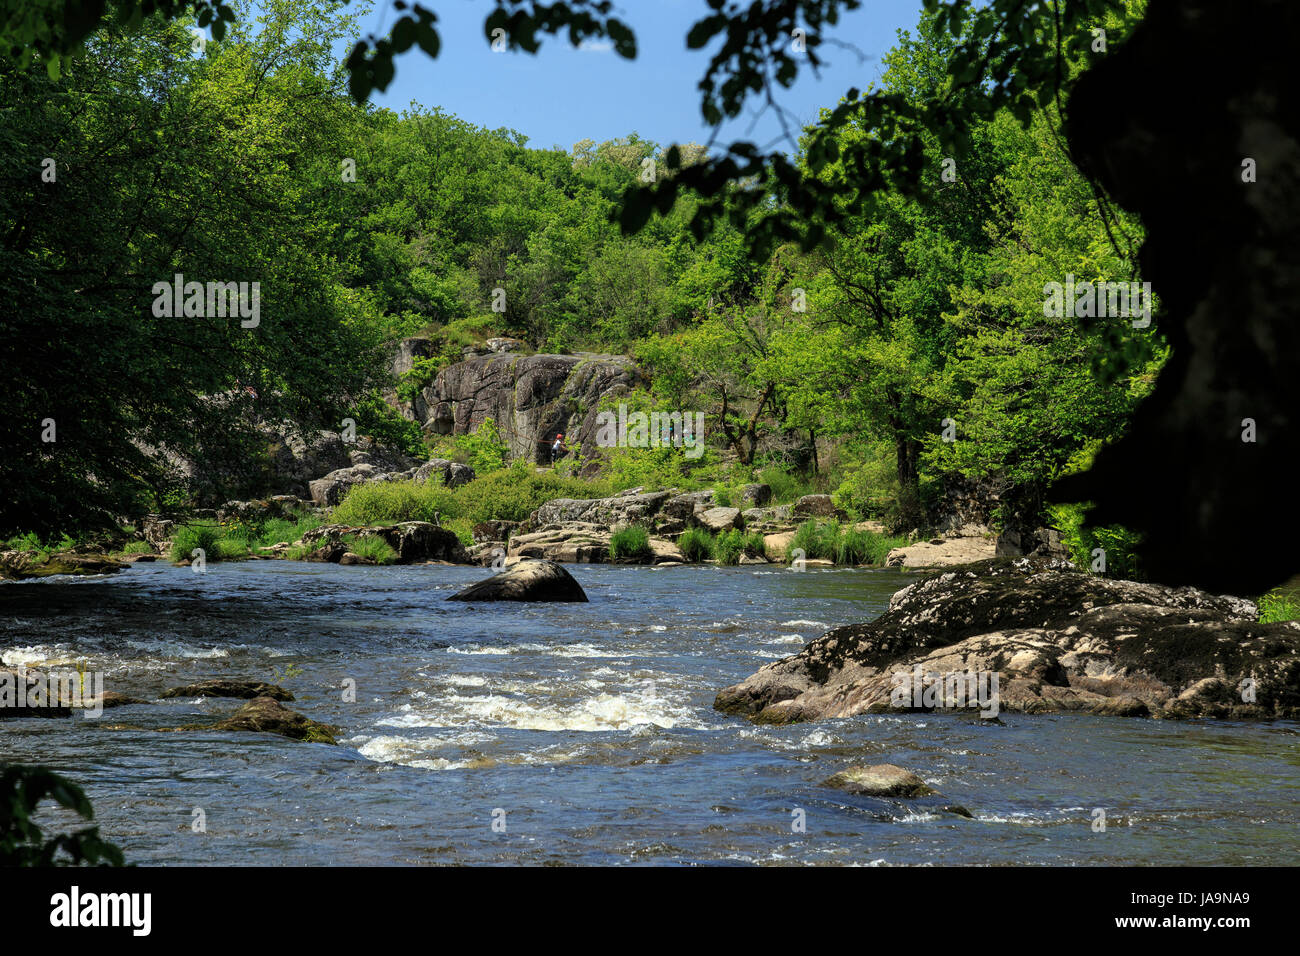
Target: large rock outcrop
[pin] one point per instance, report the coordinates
(1057, 638)
(529, 397)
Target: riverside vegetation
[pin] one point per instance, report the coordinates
(898, 363)
(847, 369)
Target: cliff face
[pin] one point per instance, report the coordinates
(530, 397)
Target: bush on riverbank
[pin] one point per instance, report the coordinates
(370, 546)
(831, 541)
(729, 546)
(632, 542)
(696, 545)
(190, 537)
(509, 494)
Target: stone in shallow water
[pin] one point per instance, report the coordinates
(880, 780)
(264, 715)
(529, 580)
(227, 687)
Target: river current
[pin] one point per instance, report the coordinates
(584, 733)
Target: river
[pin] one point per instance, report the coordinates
(584, 733)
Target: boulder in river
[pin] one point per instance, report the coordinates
(1055, 638)
(227, 687)
(528, 580)
(268, 716)
(880, 780)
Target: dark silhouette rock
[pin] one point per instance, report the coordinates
(529, 580)
(1223, 257)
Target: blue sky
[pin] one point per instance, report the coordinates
(562, 95)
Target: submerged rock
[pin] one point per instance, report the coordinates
(1056, 638)
(880, 780)
(268, 716)
(528, 580)
(26, 693)
(226, 687)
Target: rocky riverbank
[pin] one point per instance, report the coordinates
(1055, 637)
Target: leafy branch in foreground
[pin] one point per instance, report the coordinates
(22, 843)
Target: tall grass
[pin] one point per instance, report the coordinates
(843, 545)
(191, 536)
(729, 546)
(630, 542)
(370, 546)
(696, 544)
(510, 494)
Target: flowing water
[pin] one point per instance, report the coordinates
(586, 732)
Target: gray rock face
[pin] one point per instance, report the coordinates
(719, 519)
(530, 397)
(330, 490)
(451, 473)
(1057, 638)
(531, 580)
(816, 506)
(605, 513)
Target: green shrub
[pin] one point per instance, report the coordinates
(816, 540)
(728, 547)
(191, 536)
(865, 547)
(287, 530)
(630, 542)
(137, 547)
(513, 493)
(1279, 605)
(696, 544)
(787, 486)
(391, 501)
(370, 546)
(1118, 543)
(463, 528)
(381, 421)
(843, 545)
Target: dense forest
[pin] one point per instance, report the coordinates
(909, 350)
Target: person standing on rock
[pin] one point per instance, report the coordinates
(557, 449)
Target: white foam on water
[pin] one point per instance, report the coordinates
(561, 650)
(462, 680)
(35, 655)
(179, 649)
(819, 738)
(800, 622)
(788, 639)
